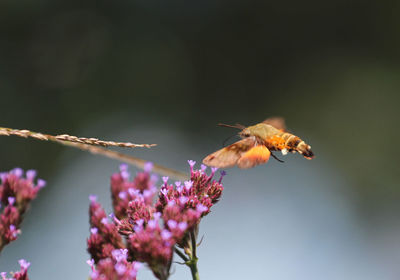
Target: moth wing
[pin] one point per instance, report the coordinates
(230, 155)
(255, 156)
(277, 122)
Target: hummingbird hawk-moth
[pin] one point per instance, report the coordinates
(257, 144)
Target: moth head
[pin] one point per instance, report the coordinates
(245, 133)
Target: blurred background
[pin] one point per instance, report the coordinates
(167, 72)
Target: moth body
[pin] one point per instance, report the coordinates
(257, 144)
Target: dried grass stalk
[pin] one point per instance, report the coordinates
(95, 146)
(69, 138)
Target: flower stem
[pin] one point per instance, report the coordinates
(193, 269)
(181, 255)
(192, 263)
(194, 245)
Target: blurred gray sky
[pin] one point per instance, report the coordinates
(167, 72)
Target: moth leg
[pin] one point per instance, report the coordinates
(275, 157)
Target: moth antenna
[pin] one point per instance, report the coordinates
(237, 126)
(275, 157)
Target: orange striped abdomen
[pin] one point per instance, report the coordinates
(287, 142)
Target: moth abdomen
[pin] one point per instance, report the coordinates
(305, 149)
(287, 142)
(291, 141)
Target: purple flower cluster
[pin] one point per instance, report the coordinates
(19, 275)
(123, 191)
(17, 190)
(153, 244)
(199, 193)
(104, 238)
(115, 267)
(154, 225)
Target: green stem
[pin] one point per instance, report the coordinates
(182, 255)
(193, 268)
(190, 258)
(194, 245)
(192, 263)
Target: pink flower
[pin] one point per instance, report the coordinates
(179, 214)
(16, 193)
(123, 190)
(185, 204)
(22, 274)
(115, 267)
(202, 190)
(154, 246)
(104, 237)
(138, 210)
(152, 231)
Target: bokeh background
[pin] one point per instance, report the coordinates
(167, 72)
